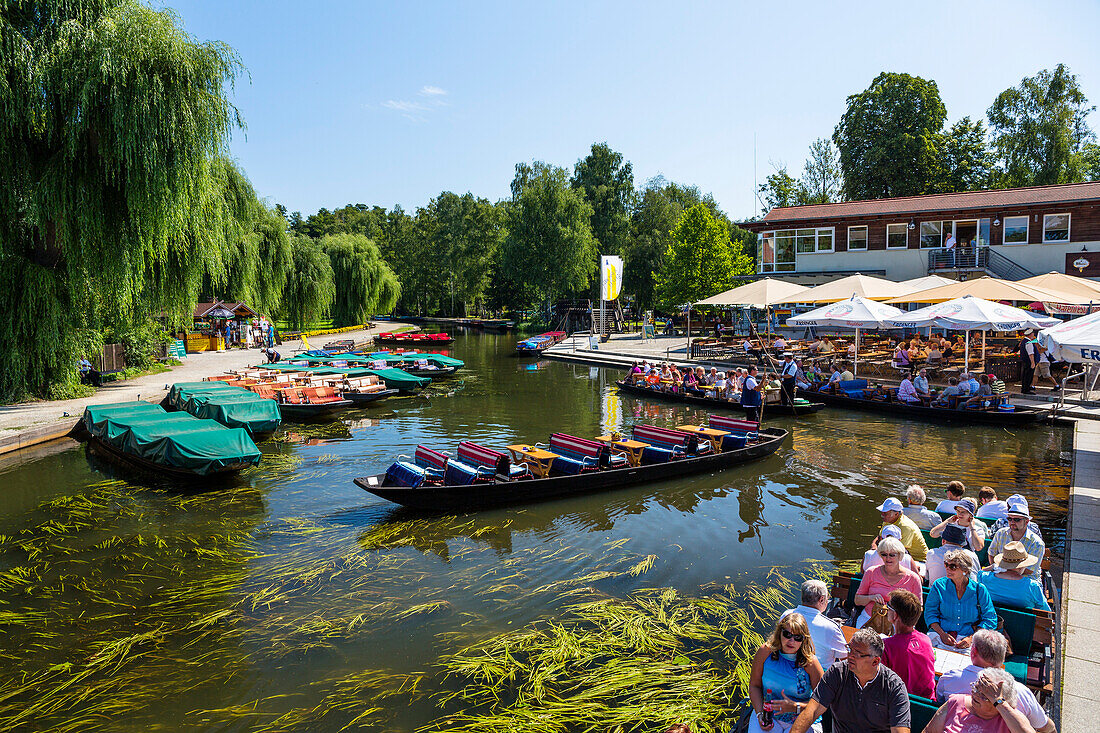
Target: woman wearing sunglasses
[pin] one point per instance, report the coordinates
(787, 665)
(879, 581)
(989, 708)
(957, 605)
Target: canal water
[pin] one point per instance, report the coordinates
(292, 599)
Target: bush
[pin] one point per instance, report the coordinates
(141, 341)
(69, 391)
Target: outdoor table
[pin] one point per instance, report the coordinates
(710, 433)
(632, 448)
(536, 459)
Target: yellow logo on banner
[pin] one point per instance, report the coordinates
(611, 276)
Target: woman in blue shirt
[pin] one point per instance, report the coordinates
(1008, 583)
(957, 606)
(787, 666)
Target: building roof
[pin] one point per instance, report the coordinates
(906, 205)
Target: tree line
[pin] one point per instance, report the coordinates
(893, 140)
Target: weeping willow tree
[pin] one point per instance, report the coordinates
(364, 283)
(112, 121)
(309, 288)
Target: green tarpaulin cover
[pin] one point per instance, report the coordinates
(393, 377)
(234, 407)
(177, 440)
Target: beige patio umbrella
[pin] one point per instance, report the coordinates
(991, 288)
(1065, 283)
(865, 286)
(925, 283)
(758, 294)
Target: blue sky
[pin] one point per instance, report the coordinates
(392, 103)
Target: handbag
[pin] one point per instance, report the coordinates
(879, 621)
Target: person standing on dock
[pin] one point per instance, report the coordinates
(790, 371)
(750, 396)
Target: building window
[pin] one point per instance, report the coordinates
(857, 238)
(931, 234)
(1055, 228)
(824, 240)
(1015, 230)
(805, 241)
(777, 251)
(897, 236)
(983, 233)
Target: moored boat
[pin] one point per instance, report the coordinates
(799, 408)
(414, 339)
(491, 486)
(230, 405)
(854, 396)
(537, 344)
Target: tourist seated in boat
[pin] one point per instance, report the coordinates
(911, 538)
(988, 650)
(907, 393)
(801, 380)
(829, 642)
(871, 558)
(975, 529)
(712, 376)
(997, 385)
(835, 377)
(880, 580)
(923, 517)
(955, 491)
(957, 605)
(688, 383)
(989, 506)
(786, 664)
(953, 538)
(846, 374)
(635, 368)
(1011, 582)
(653, 379)
(983, 398)
(720, 384)
(907, 651)
(920, 383)
(990, 705)
(950, 394)
(1017, 528)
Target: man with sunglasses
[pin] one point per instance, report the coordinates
(1017, 531)
(864, 695)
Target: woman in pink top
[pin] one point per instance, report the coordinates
(989, 708)
(880, 580)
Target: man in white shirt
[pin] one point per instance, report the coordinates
(955, 491)
(788, 373)
(987, 649)
(828, 639)
(989, 506)
(920, 383)
(949, 245)
(915, 509)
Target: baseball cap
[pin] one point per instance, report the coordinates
(890, 530)
(953, 534)
(967, 504)
(890, 505)
(1018, 507)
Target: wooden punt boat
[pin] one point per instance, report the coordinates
(1019, 416)
(414, 339)
(538, 344)
(506, 492)
(771, 409)
(363, 398)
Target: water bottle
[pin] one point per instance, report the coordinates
(766, 714)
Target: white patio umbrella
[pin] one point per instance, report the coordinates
(973, 314)
(857, 312)
(1076, 341)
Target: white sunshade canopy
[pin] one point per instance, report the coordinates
(1077, 341)
(973, 314)
(759, 294)
(856, 312)
(873, 288)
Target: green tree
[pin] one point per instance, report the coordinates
(364, 284)
(965, 161)
(822, 180)
(549, 250)
(608, 185)
(779, 190)
(1090, 161)
(1040, 130)
(701, 260)
(465, 235)
(888, 138)
(310, 287)
(110, 117)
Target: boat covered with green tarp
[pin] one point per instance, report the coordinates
(233, 407)
(394, 378)
(176, 444)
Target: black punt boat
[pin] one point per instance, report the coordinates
(503, 493)
(1019, 416)
(362, 398)
(771, 408)
(314, 410)
(436, 373)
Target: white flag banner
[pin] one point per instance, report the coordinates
(611, 276)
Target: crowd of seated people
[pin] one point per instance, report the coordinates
(865, 684)
(700, 382)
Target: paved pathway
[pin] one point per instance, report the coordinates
(30, 422)
(1080, 669)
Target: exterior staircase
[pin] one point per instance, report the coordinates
(614, 322)
(976, 261)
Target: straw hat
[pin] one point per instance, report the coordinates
(1015, 557)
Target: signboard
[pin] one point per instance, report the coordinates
(1067, 309)
(1085, 264)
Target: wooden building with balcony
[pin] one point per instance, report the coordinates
(1008, 233)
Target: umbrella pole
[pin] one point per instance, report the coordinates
(689, 332)
(984, 369)
(855, 363)
(966, 351)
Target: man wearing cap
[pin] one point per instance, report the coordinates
(1003, 522)
(964, 518)
(988, 649)
(788, 373)
(911, 537)
(952, 538)
(1010, 583)
(1027, 363)
(1017, 531)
